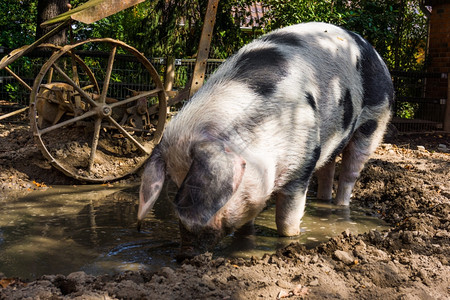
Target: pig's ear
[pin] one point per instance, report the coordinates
(215, 174)
(152, 182)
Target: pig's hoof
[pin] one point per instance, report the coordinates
(288, 231)
(342, 202)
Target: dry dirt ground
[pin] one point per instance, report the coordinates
(409, 188)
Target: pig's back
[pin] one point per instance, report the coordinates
(290, 92)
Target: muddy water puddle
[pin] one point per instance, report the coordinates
(93, 229)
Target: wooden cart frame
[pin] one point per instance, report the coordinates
(77, 125)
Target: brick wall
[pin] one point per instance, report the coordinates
(439, 46)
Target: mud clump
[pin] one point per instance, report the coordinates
(409, 188)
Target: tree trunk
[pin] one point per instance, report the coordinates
(46, 10)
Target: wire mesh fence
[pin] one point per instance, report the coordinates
(420, 97)
(128, 75)
(420, 100)
(184, 69)
(13, 94)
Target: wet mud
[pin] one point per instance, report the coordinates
(406, 187)
(96, 225)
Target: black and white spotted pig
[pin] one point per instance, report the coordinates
(279, 110)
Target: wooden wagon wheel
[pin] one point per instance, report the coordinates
(96, 132)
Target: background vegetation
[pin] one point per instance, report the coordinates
(161, 28)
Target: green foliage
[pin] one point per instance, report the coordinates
(161, 28)
(170, 28)
(17, 22)
(406, 110)
(181, 77)
(12, 89)
(397, 29)
(284, 13)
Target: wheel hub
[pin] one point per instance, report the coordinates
(105, 111)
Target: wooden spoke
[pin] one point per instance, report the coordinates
(75, 86)
(135, 98)
(65, 123)
(109, 69)
(97, 126)
(128, 135)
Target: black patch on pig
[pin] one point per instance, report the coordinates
(344, 142)
(376, 83)
(301, 176)
(368, 128)
(358, 64)
(283, 38)
(310, 165)
(311, 101)
(347, 104)
(208, 184)
(339, 148)
(261, 111)
(261, 69)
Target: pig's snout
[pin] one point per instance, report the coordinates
(197, 240)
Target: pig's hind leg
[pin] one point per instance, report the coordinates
(363, 143)
(325, 178)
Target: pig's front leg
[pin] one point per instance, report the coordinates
(247, 229)
(289, 211)
(291, 199)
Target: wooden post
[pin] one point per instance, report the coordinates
(447, 107)
(169, 75)
(203, 48)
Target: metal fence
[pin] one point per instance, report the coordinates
(414, 109)
(128, 75)
(420, 100)
(12, 94)
(184, 68)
